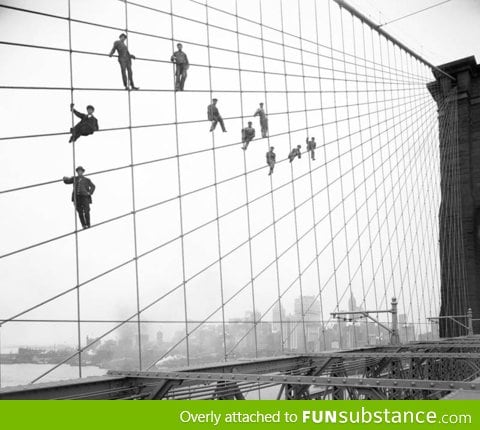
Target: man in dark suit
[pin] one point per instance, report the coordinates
(125, 60)
(271, 159)
(88, 123)
(214, 115)
(83, 189)
(311, 146)
(295, 152)
(248, 134)
(263, 120)
(181, 61)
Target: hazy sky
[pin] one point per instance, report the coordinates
(373, 217)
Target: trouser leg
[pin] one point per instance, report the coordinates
(220, 120)
(130, 73)
(81, 215)
(183, 77)
(214, 124)
(264, 128)
(123, 69)
(76, 133)
(83, 209)
(87, 215)
(177, 78)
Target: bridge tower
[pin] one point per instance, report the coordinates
(459, 218)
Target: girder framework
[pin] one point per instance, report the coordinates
(418, 370)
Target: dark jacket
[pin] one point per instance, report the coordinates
(212, 112)
(82, 186)
(248, 133)
(260, 112)
(122, 49)
(271, 158)
(311, 145)
(179, 57)
(295, 152)
(87, 122)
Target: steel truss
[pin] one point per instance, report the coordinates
(418, 370)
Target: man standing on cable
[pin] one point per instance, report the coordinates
(311, 146)
(271, 159)
(88, 123)
(125, 60)
(263, 120)
(295, 152)
(181, 61)
(83, 189)
(248, 134)
(214, 115)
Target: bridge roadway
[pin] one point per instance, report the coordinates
(447, 368)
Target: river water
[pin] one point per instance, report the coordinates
(21, 374)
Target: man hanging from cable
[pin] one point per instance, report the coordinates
(311, 146)
(295, 152)
(83, 189)
(125, 60)
(88, 123)
(214, 115)
(181, 62)
(271, 159)
(263, 120)
(248, 134)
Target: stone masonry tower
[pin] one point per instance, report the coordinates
(459, 129)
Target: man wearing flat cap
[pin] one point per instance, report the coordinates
(83, 189)
(125, 60)
(214, 116)
(88, 123)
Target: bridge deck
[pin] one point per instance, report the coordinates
(419, 370)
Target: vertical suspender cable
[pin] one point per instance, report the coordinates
(326, 170)
(302, 309)
(345, 223)
(217, 212)
(252, 280)
(362, 150)
(315, 232)
(134, 213)
(272, 197)
(77, 262)
(337, 297)
(180, 205)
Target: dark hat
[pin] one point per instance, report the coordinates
(299, 146)
(124, 35)
(272, 147)
(249, 122)
(214, 100)
(90, 107)
(261, 103)
(80, 168)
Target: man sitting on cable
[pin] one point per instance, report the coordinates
(248, 134)
(88, 123)
(295, 152)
